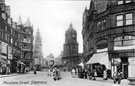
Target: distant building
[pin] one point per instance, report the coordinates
(37, 51)
(71, 56)
(50, 60)
(58, 60)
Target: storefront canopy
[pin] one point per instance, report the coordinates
(101, 58)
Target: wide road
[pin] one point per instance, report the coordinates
(41, 79)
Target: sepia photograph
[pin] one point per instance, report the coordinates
(67, 42)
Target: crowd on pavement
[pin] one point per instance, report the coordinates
(92, 75)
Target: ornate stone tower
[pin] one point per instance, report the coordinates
(38, 45)
(71, 45)
(38, 50)
(70, 54)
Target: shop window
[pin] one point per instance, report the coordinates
(124, 41)
(129, 19)
(120, 20)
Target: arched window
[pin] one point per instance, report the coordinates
(124, 41)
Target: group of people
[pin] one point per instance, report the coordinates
(55, 72)
(117, 76)
(5, 70)
(84, 73)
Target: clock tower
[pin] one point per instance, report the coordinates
(70, 49)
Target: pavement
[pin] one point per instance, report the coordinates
(100, 79)
(14, 74)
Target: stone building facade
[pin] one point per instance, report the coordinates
(109, 26)
(25, 32)
(71, 57)
(11, 46)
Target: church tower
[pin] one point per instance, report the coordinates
(71, 44)
(71, 57)
(38, 45)
(38, 55)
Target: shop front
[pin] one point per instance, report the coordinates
(125, 63)
(100, 62)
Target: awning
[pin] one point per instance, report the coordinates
(101, 58)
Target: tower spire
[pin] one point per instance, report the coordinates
(19, 21)
(71, 26)
(28, 23)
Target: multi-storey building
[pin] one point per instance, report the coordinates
(71, 57)
(109, 28)
(25, 32)
(11, 51)
(8, 39)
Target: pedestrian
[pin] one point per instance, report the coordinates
(55, 74)
(105, 75)
(35, 72)
(119, 76)
(85, 73)
(59, 74)
(95, 74)
(49, 72)
(73, 72)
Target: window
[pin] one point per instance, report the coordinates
(120, 2)
(129, 19)
(128, 1)
(6, 37)
(11, 40)
(15, 43)
(98, 26)
(120, 20)
(124, 41)
(104, 24)
(123, 1)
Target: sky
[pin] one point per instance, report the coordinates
(52, 18)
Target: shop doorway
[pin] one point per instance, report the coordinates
(124, 67)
